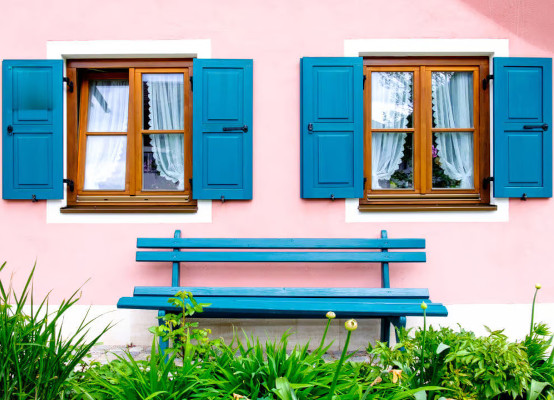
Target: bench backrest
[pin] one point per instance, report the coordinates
(321, 250)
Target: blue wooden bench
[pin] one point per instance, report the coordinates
(391, 305)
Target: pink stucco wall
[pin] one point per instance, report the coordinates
(467, 262)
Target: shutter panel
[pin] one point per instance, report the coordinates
(331, 127)
(522, 127)
(222, 129)
(32, 129)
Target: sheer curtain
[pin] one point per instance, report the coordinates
(105, 157)
(391, 106)
(166, 112)
(453, 108)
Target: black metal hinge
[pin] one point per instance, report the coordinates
(190, 79)
(365, 181)
(486, 81)
(69, 84)
(70, 184)
(487, 181)
(190, 182)
(363, 85)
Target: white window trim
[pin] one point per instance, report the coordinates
(200, 48)
(429, 47)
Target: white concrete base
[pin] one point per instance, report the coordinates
(131, 326)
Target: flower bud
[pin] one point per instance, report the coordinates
(330, 315)
(538, 286)
(351, 325)
(423, 305)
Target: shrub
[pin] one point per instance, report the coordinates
(35, 360)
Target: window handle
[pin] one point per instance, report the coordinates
(544, 127)
(243, 128)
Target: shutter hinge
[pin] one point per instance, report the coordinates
(190, 79)
(486, 182)
(69, 84)
(486, 81)
(190, 182)
(365, 181)
(363, 85)
(70, 184)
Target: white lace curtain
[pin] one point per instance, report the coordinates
(391, 106)
(166, 112)
(105, 158)
(453, 108)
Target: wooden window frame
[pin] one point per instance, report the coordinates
(133, 198)
(422, 197)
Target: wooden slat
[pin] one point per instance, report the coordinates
(232, 307)
(271, 256)
(169, 291)
(184, 243)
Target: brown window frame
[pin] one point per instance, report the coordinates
(133, 198)
(422, 197)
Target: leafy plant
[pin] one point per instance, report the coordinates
(35, 359)
(185, 337)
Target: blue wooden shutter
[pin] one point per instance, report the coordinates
(32, 129)
(222, 129)
(522, 127)
(331, 127)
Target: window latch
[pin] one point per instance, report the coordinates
(69, 84)
(243, 128)
(70, 184)
(486, 81)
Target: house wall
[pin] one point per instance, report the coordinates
(484, 271)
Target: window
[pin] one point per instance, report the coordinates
(426, 134)
(132, 146)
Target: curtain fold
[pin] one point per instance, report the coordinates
(391, 106)
(105, 158)
(166, 112)
(452, 96)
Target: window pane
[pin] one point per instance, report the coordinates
(105, 162)
(453, 160)
(163, 101)
(452, 99)
(108, 105)
(391, 160)
(392, 100)
(163, 162)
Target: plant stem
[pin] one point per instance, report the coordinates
(533, 313)
(341, 361)
(423, 347)
(325, 333)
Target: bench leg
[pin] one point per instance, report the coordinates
(385, 330)
(164, 345)
(399, 323)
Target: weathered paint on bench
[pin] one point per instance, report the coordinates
(392, 305)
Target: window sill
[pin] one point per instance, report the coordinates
(425, 207)
(77, 209)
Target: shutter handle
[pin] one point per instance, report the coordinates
(243, 128)
(310, 127)
(544, 127)
(10, 130)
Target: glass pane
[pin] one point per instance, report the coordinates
(108, 105)
(105, 162)
(392, 160)
(163, 102)
(452, 99)
(163, 162)
(392, 100)
(453, 160)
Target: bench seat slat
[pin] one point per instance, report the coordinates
(301, 243)
(281, 256)
(230, 307)
(169, 291)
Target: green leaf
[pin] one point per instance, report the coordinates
(442, 347)
(535, 389)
